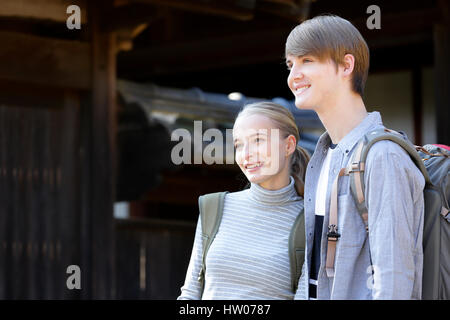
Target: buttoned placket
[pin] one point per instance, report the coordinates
(324, 284)
(346, 148)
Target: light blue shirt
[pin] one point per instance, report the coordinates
(394, 197)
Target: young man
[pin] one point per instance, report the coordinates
(328, 61)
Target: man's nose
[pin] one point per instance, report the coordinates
(295, 73)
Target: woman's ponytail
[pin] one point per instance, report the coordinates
(299, 162)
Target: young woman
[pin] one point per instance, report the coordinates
(249, 258)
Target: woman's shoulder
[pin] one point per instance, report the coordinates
(237, 195)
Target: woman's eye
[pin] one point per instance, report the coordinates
(258, 140)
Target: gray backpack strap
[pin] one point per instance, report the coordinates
(211, 209)
(297, 249)
(358, 162)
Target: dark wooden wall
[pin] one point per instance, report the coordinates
(57, 131)
(40, 192)
(152, 257)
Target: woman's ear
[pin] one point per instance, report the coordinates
(291, 145)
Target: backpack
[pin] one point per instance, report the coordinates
(211, 210)
(434, 163)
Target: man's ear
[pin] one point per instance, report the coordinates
(348, 64)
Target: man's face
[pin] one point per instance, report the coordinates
(314, 83)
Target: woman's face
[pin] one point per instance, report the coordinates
(262, 152)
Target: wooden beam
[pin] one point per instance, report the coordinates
(442, 74)
(264, 45)
(217, 8)
(54, 10)
(44, 61)
(417, 100)
(203, 54)
(287, 9)
(132, 15)
(103, 128)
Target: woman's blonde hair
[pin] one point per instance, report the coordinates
(283, 120)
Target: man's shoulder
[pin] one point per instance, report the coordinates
(389, 154)
(387, 147)
(384, 147)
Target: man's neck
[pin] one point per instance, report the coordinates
(342, 116)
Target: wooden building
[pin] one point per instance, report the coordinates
(62, 108)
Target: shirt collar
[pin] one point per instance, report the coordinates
(274, 197)
(347, 143)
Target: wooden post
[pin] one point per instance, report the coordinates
(442, 73)
(103, 129)
(417, 104)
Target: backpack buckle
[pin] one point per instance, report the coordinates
(356, 167)
(332, 234)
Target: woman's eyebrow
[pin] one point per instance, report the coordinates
(263, 133)
(253, 134)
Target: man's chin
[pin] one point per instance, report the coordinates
(302, 106)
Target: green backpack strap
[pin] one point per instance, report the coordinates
(211, 209)
(356, 167)
(297, 249)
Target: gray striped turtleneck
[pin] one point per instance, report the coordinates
(248, 259)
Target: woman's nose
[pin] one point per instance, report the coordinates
(246, 152)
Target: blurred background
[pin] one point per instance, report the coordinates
(86, 117)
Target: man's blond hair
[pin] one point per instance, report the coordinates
(331, 37)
